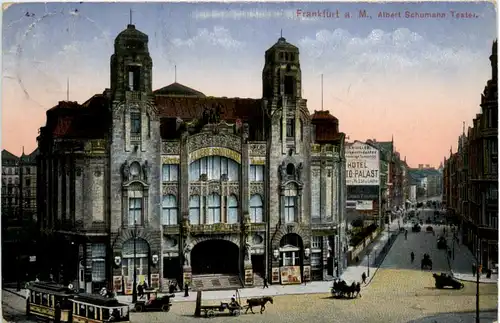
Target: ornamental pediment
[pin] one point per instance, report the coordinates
(225, 140)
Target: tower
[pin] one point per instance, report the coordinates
(493, 60)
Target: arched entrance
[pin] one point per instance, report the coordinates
(215, 257)
(291, 258)
(141, 264)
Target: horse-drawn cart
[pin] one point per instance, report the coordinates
(426, 262)
(445, 280)
(234, 307)
(342, 290)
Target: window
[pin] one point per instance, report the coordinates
(290, 205)
(83, 310)
(213, 201)
(98, 262)
(170, 172)
(194, 209)
(134, 78)
(45, 300)
(28, 170)
(135, 123)
(28, 182)
(289, 85)
(256, 173)
(290, 127)
(91, 312)
(317, 242)
(256, 209)
(214, 167)
(134, 211)
(290, 169)
(232, 209)
(169, 212)
(316, 260)
(291, 258)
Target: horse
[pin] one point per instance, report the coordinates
(262, 301)
(357, 289)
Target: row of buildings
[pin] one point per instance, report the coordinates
(174, 185)
(428, 181)
(471, 177)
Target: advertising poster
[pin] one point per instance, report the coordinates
(364, 205)
(275, 275)
(187, 278)
(248, 277)
(290, 275)
(141, 279)
(128, 285)
(307, 273)
(155, 281)
(362, 165)
(118, 284)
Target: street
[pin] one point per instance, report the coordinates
(399, 292)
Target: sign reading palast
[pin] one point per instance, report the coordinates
(362, 164)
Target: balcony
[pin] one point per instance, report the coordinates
(171, 229)
(216, 228)
(134, 96)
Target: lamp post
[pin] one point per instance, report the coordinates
(368, 264)
(477, 282)
(134, 287)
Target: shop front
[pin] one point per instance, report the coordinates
(291, 257)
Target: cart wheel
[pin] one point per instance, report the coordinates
(165, 307)
(210, 313)
(139, 308)
(236, 313)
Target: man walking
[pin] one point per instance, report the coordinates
(363, 278)
(265, 282)
(474, 269)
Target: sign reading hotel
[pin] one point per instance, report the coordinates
(362, 165)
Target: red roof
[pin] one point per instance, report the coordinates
(327, 126)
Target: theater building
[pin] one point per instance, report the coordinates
(216, 192)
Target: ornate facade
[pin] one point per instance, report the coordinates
(177, 185)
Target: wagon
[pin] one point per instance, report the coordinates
(210, 310)
(155, 303)
(444, 280)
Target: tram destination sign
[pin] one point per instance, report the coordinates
(362, 165)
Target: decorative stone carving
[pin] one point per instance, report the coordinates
(282, 170)
(315, 172)
(125, 171)
(170, 147)
(187, 251)
(298, 171)
(257, 149)
(97, 173)
(194, 189)
(169, 189)
(246, 132)
(256, 188)
(233, 189)
(145, 170)
(248, 250)
(201, 140)
(214, 187)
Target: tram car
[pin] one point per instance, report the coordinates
(56, 303)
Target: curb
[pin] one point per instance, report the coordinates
(15, 293)
(472, 280)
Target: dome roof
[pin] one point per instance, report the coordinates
(177, 89)
(283, 44)
(323, 115)
(131, 32)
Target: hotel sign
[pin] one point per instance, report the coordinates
(362, 165)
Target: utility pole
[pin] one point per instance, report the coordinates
(20, 225)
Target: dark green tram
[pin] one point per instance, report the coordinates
(92, 308)
(49, 301)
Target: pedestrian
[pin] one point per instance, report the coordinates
(412, 256)
(474, 270)
(265, 282)
(186, 290)
(406, 234)
(140, 291)
(363, 278)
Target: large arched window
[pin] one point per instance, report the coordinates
(141, 254)
(232, 209)
(214, 167)
(169, 210)
(135, 207)
(290, 207)
(194, 209)
(213, 208)
(256, 209)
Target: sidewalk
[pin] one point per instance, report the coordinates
(351, 273)
(461, 264)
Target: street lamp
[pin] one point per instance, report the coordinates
(477, 281)
(134, 287)
(368, 265)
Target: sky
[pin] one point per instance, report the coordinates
(414, 79)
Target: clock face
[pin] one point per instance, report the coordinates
(134, 169)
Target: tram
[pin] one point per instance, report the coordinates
(60, 304)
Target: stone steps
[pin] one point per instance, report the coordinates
(215, 282)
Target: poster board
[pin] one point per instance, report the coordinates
(275, 275)
(128, 285)
(186, 278)
(155, 281)
(307, 273)
(118, 284)
(248, 277)
(290, 275)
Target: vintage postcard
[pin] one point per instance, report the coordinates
(225, 159)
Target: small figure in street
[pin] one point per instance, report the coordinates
(412, 257)
(406, 234)
(363, 278)
(186, 290)
(140, 291)
(357, 259)
(265, 283)
(474, 269)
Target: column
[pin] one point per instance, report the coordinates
(184, 205)
(244, 179)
